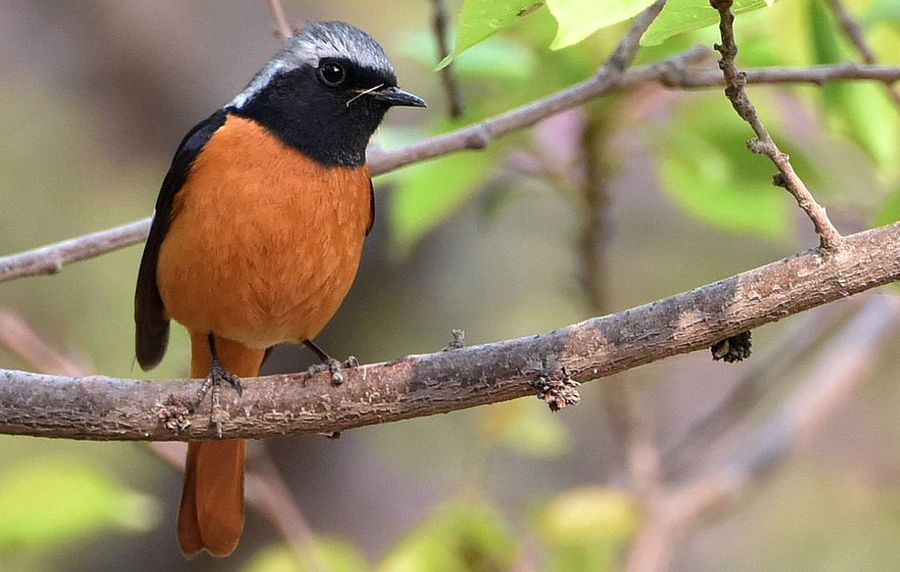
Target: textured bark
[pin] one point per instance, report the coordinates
(415, 386)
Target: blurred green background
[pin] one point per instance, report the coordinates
(95, 97)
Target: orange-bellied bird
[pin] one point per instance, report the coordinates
(257, 236)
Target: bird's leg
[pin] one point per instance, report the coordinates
(333, 365)
(218, 374)
(329, 363)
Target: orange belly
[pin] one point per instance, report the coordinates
(264, 243)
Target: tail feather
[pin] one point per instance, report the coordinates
(211, 515)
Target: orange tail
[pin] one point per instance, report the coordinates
(211, 515)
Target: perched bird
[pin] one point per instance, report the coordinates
(257, 236)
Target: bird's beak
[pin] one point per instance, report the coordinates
(396, 96)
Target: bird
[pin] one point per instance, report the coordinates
(257, 236)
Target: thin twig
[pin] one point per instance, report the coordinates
(281, 21)
(416, 386)
(17, 336)
(448, 78)
(595, 232)
(683, 77)
(50, 259)
(625, 416)
(829, 237)
(268, 492)
(634, 433)
(845, 365)
(479, 136)
(674, 73)
(853, 30)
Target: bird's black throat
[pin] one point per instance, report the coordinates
(315, 119)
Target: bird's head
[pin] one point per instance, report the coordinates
(325, 92)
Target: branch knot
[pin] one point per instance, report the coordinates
(558, 393)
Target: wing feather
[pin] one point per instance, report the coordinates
(151, 321)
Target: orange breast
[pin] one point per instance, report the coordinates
(264, 242)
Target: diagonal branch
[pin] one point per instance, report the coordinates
(674, 73)
(415, 386)
(281, 21)
(448, 78)
(854, 33)
(50, 259)
(829, 237)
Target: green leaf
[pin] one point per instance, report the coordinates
(47, 502)
(585, 529)
(499, 58)
(481, 19)
(681, 16)
(861, 111)
(882, 11)
(466, 535)
(578, 19)
(325, 555)
(708, 171)
(427, 193)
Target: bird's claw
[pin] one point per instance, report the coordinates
(334, 366)
(218, 374)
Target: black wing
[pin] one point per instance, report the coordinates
(371, 208)
(151, 323)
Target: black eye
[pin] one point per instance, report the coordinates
(331, 74)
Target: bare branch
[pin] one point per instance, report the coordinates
(448, 79)
(735, 81)
(643, 459)
(854, 33)
(106, 408)
(684, 77)
(845, 365)
(675, 73)
(50, 259)
(269, 494)
(281, 21)
(19, 337)
(480, 135)
(626, 418)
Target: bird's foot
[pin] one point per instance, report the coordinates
(335, 367)
(218, 374)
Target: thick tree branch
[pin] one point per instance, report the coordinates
(106, 408)
(675, 72)
(735, 81)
